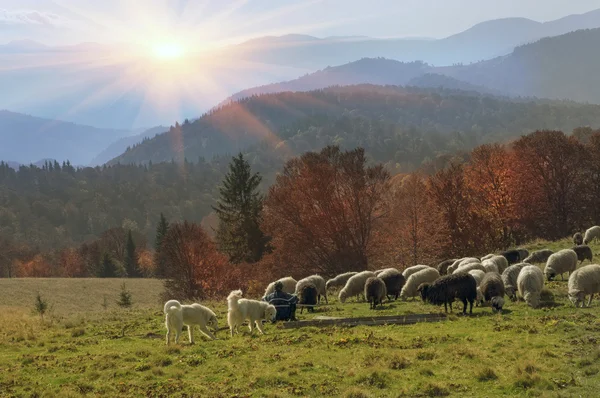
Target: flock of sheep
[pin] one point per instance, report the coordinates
(483, 280)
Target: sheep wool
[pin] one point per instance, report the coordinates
(584, 252)
(490, 266)
(444, 290)
(469, 266)
(308, 296)
(375, 291)
(560, 262)
(427, 275)
(511, 256)
(289, 285)
(530, 284)
(414, 269)
(577, 239)
(492, 290)
(539, 256)
(509, 277)
(591, 234)
(394, 282)
(478, 275)
(443, 266)
(500, 262)
(355, 285)
(316, 280)
(340, 280)
(584, 281)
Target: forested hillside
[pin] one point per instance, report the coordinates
(402, 125)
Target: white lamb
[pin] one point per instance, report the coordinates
(584, 281)
(560, 262)
(509, 277)
(530, 284)
(253, 311)
(316, 280)
(427, 275)
(339, 280)
(289, 285)
(177, 315)
(412, 270)
(355, 285)
(591, 234)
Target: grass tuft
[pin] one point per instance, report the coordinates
(487, 374)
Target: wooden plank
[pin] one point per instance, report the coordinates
(369, 321)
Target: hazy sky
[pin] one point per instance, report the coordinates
(71, 21)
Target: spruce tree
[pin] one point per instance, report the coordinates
(159, 262)
(108, 268)
(239, 210)
(131, 259)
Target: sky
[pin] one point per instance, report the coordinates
(225, 21)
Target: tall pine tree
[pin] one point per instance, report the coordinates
(239, 210)
(131, 258)
(108, 268)
(159, 261)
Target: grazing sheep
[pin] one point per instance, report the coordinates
(487, 256)
(394, 282)
(492, 289)
(413, 282)
(584, 252)
(523, 253)
(414, 269)
(340, 280)
(584, 281)
(444, 290)
(375, 291)
(477, 274)
(490, 266)
(469, 266)
(379, 271)
(443, 266)
(289, 286)
(355, 285)
(511, 256)
(500, 261)
(560, 262)
(577, 239)
(539, 256)
(530, 284)
(460, 262)
(308, 296)
(509, 277)
(591, 234)
(316, 280)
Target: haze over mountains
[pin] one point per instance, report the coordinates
(88, 84)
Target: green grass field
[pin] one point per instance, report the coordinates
(82, 349)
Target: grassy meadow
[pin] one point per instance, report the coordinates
(82, 349)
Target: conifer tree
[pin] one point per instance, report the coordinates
(131, 258)
(239, 210)
(108, 268)
(159, 262)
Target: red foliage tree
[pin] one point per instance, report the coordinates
(323, 209)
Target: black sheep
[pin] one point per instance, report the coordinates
(578, 239)
(460, 285)
(375, 291)
(443, 266)
(394, 282)
(492, 289)
(308, 296)
(584, 252)
(512, 256)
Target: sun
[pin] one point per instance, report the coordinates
(168, 51)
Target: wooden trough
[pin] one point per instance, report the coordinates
(368, 321)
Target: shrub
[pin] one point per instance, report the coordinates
(40, 306)
(124, 297)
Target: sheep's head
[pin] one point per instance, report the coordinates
(497, 303)
(532, 299)
(343, 296)
(270, 313)
(213, 323)
(423, 289)
(577, 298)
(510, 292)
(328, 284)
(550, 273)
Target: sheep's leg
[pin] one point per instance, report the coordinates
(325, 295)
(177, 334)
(231, 330)
(191, 333)
(446, 306)
(259, 327)
(168, 335)
(207, 332)
(471, 307)
(450, 306)
(464, 307)
(590, 300)
(251, 325)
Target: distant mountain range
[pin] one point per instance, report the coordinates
(562, 67)
(117, 148)
(26, 139)
(85, 84)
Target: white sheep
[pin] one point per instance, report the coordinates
(426, 275)
(477, 274)
(460, 262)
(289, 285)
(339, 280)
(487, 256)
(560, 262)
(530, 284)
(355, 285)
(584, 281)
(591, 234)
(468, 267)
(500, 261)
(379, 271)
(509, 277)
(490, 266)
(316, 280)
(413, 270)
